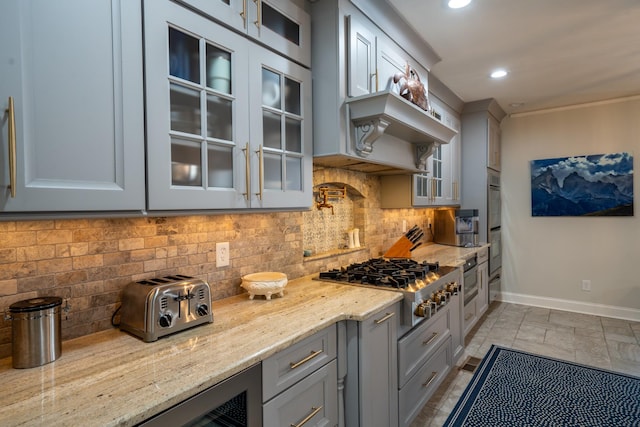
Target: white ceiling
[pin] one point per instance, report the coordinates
(557, 52)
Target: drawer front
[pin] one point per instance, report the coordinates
(312, 402)
(424, 383)
(469, 312)
(482, 255)
(289, 366)
(416, 347)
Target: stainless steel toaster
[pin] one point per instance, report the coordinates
(153, 308)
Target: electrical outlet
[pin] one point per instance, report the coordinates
(586, 285)
(404, 225)
(222, 254)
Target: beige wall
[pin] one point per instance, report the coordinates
(546, 258)
(89, 261)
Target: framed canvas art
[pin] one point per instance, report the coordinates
(592, 185)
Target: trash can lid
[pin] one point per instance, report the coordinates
(35, 304)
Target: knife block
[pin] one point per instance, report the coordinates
(400, 249)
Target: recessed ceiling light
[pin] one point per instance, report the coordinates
(499, 73)
(457, 4)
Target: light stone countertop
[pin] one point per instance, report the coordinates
(446, 255)
(112, 378)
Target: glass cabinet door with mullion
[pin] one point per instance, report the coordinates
(197, 103)
(230, 12)
(283, 26)
(280, 131)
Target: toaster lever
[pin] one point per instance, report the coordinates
(185, 297)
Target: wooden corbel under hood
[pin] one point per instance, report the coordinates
(388, 113)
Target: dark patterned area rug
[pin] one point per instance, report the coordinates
(512, 388)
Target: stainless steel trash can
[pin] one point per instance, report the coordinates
(35, 331)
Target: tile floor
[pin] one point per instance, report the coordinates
(591, 340)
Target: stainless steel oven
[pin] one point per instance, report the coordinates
(494, 223)
(235, 402)
(470, 281)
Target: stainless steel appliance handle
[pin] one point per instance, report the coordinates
(313, 413)
(294, 365)
(11, 133)
(385, 318)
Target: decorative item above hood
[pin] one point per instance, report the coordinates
(388, 113)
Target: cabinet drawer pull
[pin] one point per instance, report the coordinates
(433, 376)
(313, 413)
(430, 340)
(258, 20)
(247, 173)
(260, 153)
(294, 365)
(385, 318)
(11, 133)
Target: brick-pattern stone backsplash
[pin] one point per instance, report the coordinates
(89, 261)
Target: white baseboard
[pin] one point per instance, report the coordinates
(573, 306)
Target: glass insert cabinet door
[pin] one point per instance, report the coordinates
(281, 128)
(279, 24)
(428, 186)
(197, 111)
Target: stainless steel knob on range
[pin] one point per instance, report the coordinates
(35, 331)
(157, 307)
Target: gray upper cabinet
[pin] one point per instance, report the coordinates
(73, 70)
(361, 121)
(279, 24)
(439, 184)
(373, 59)
(228, 121)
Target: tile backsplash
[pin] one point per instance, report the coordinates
(89, 261)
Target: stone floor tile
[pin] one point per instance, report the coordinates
(624, 351)
(619, 333)
(537, 314)
(578, 320)
(564, 339)
(626, 366)
(531, 333)
(597, 361)
(588, 333)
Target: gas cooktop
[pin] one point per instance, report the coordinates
(396, 274)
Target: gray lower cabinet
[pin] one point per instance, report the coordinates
(299, 384)
(425, 382)
(371, 383)
(311, 402)
(425, 356)
(73, 72)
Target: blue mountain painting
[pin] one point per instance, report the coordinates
(596, 185)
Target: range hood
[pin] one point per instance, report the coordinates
(383, 113)
(384, 122)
